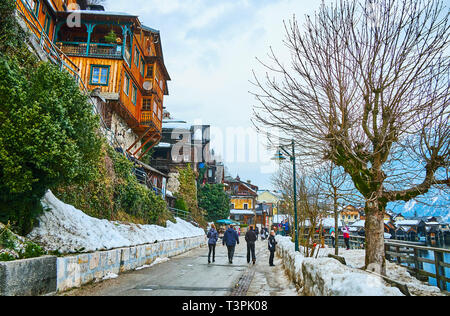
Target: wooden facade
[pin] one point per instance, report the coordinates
(126, 68)
(243, 197)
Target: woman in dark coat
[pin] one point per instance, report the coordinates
(272, 244)
(213, 236)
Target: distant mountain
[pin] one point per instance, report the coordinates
(432, 204)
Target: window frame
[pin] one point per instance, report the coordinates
(36, 8)
(127, 82)
(147, 107)
(92, 83)
(137, 56)
(133, 93)
(142, 67)
(47, 23)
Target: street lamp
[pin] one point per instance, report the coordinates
(280, 157)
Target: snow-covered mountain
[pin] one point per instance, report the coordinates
(433, 204)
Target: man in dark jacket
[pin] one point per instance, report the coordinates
(250, 238)
(272, 244)
(230, 238)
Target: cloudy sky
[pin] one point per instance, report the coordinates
(210, 49)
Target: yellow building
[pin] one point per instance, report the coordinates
(268, 197)
(243, 200)
(350, 214)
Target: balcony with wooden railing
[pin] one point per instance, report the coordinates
(96, 50)
(148, 118)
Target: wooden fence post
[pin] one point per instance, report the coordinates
(440, 271)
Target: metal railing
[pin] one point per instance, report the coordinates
(37, 30)
(180, 213)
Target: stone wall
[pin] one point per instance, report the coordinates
(28, 277)
(328, 277)
(77, 270)
(49, 274)
(123, 133)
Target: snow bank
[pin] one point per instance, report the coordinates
(356, 259)
(328, 277)
(69, 230)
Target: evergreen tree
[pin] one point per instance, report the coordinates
(216, 202)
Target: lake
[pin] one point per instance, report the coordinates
(430, 267)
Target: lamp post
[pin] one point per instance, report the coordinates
(279, 156)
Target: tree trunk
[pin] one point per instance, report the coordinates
(374, 226)
(336, 223)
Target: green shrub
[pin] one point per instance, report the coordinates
(134, 198)
(4, 256)
(13, 247)
(181, 205)
(7, 239)
(47, 128)
(32, 250)
(115, 194)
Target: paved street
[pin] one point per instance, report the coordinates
(191, 275)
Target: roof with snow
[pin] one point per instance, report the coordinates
(242, 212)
(360, 223)
(408, 222)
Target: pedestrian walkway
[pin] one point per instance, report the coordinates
(269, 281)
(190, 275)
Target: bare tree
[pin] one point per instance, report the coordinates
(310, 205)
(336, 189)
(367, 88)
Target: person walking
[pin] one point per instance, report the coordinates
(272, 244)
(346, 232)
(250, 238)
(281, 228)
(263, 233)
(230, 239)
(256, 232)
(286, 228)
(213, 236)
(333, 236)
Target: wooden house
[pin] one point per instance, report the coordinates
(117, 60)
(123, 60)
(349, 214)
(410, 229)
(114, 55)
(41, 15)
(270, 198)
(399, 217)
(263, 212)
(243, 200)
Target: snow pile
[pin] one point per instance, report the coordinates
(68, 230)
(327, 276)
(356, 259)
(157, 261)
(110, 276)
